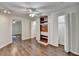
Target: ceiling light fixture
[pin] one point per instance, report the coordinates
(14, 21)
(32, 12)
(32, 15)
(9, 12)
(5, 11)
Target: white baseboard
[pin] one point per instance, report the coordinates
(54, 44)
(27, 38)
(43, 43)
(74, 52)
(5, 44)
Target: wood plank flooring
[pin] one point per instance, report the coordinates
(32, 48)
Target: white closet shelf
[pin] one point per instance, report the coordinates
(44, 33)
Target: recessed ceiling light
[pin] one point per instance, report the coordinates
(32, 15)
(5, 11)
(9, 12)
(14, 21)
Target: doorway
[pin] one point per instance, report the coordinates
(16, 30)
(61, 31)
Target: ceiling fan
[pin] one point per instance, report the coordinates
(33, 12)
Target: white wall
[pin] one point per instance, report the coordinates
(61, 32)
(33, 29)
(61, 29)
(38, 29)
(5, 30)
(16, 28)
(53, 30)
(75, 32)
(26, 29)
(73, 28)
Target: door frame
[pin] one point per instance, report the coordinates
(12, 27)
(67, 38)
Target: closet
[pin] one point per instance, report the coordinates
(44, 30)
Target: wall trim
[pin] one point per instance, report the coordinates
(53, 44)
(43, 43)
(74, 52)
(6, 44)
(27, 38)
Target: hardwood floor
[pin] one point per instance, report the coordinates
(32, 48)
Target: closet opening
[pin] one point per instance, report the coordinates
(44, 30)
(61, 31)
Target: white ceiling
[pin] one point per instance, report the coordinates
(19, 8)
